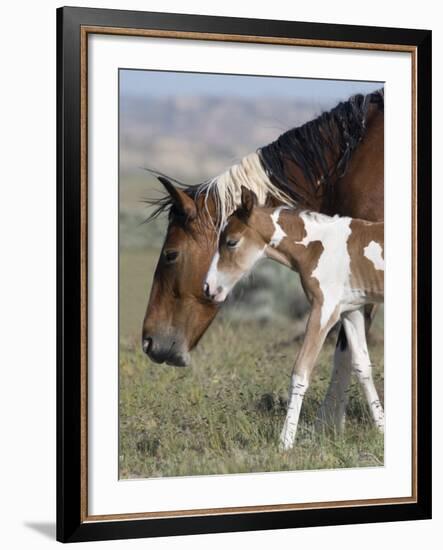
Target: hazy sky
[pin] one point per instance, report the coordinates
(164, 83)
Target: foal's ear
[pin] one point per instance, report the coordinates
(248, 200)
(182, 202)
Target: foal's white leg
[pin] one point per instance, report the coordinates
(354, 324)
(332, 411)
(312, 343)
(297, 390)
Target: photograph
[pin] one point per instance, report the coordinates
(251, 274)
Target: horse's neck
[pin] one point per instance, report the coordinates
(320, 195)
(310, 194)
(359, 193)
(280, 230)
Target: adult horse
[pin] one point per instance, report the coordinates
(333, 164)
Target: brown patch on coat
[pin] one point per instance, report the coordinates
(364, 275)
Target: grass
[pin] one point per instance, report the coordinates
(224, 413)
(136, 271)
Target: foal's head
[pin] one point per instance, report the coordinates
(241, 245)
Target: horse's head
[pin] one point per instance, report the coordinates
(240, 246)
(178, 312)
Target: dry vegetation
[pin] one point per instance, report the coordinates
(223, 414)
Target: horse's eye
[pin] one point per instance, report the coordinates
(232, 243)
(170, 256)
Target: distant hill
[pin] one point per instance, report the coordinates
(196, 138)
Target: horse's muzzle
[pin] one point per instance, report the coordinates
(161, 351)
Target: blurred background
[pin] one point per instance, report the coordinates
(193, 126)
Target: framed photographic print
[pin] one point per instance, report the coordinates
(223, 190)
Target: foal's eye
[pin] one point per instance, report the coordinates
(170, 256)
(232, 243)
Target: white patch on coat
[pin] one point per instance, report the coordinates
(374, 253)
(333, 268)
(278, 234)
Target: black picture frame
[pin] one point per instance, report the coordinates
(71, 523)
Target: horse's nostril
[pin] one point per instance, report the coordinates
(206, 289)
(146, 344)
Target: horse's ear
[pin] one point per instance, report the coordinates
(248, 200)
(182, 202)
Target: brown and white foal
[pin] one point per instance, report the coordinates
(341, 266)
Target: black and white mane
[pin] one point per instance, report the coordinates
(336, 133)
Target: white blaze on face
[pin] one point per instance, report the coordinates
(212, 275)
(333, 268)
(222, 281)
(278, 234)
(374, 253)
(219, 283)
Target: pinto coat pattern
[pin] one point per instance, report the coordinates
(333, 164)
(341, 266)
